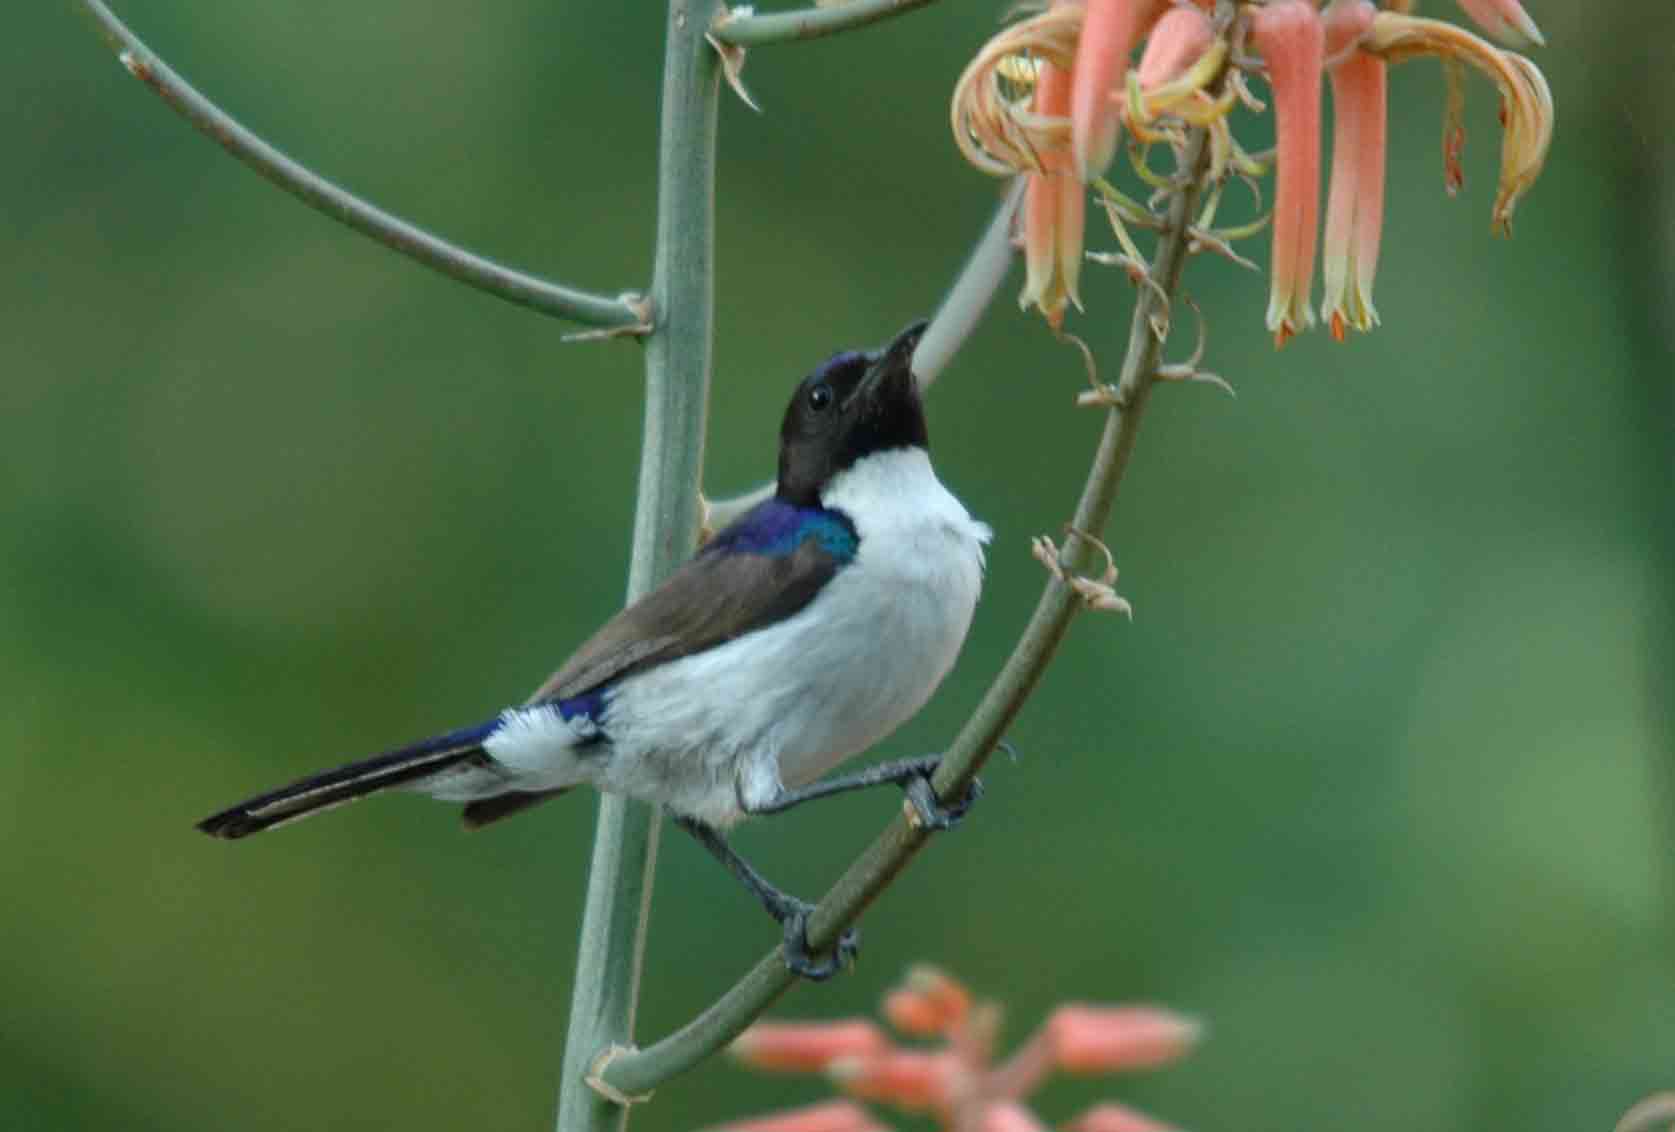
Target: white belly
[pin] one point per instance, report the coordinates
(781, 706)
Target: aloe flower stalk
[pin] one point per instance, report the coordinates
(1293, 42)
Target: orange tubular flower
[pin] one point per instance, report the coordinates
(1110, 32)
(930, 1003)
(807, 1046)
(1105, 1039)
(1112, 1117)
(1008, 1117)
(1355, 207)
(1292, 40)
(909, 1079)
(1055, 213)
(828, 1116)
(1506, 20)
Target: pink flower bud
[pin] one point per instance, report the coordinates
(828, 1116)
(1104, 1039)
(1110, 32)
(1180, 38)
(807, 1047)
(908, 1079)
(1009, 1116)
(930, 1003)
(1113, 1117)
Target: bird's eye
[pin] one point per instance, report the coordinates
(820, 397)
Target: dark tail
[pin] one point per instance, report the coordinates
(335, 787)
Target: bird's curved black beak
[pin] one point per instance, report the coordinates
(894, 360)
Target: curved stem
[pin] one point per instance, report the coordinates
(879, 864)
(678, 356)
(757, 30)
(626, 311)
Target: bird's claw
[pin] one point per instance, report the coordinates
(926, 811)
(805, 964)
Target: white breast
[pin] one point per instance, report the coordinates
(784, 704)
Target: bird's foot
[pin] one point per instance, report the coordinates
(927, 811)
(804, 962)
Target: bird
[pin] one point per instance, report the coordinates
(804, 632)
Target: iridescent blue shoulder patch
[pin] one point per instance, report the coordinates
(775, 528)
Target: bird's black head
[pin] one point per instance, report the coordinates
(852, 406)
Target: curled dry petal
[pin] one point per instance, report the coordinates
(909, 1079)
(807, 1047)
(1104, 1039)
(1292, 40)
(1526, 101)
(1111, 31)
(1506, 20)
(1009, 1116)
(1355, 206)
(930, 1002)
(1113, 1117)
(828, 1116)
(995, 126)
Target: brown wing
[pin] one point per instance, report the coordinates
(712, 599)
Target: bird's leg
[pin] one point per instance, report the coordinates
(912, 775)
(790, 913)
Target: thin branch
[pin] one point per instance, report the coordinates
(678, 356)
(879, 864)
(744, 28)
(984, 271)
(626, 311)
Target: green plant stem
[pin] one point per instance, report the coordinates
(761, 29)
(678, 357)
(880, 863)
(625, 311)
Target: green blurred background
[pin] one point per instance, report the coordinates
(1376, 782)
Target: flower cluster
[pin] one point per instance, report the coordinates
(957, 1082)
(1051, 97)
